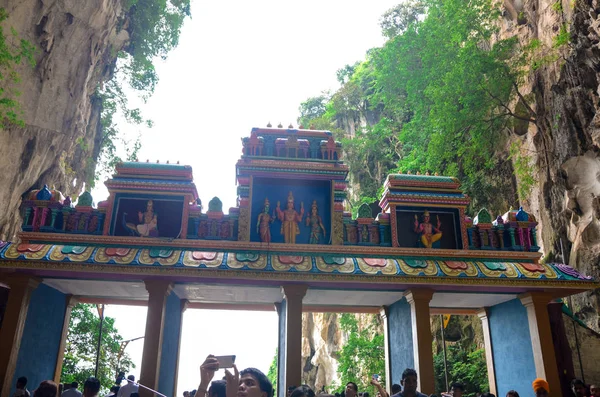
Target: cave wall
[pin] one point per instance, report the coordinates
(76, 44)
(563, 144)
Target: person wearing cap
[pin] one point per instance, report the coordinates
(540, 388)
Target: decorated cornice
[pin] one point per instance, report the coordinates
(272, 266)
(244, 246)
(300, 133)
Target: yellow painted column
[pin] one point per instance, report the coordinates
(384, 312)
(542, 344)
(422, 339)
(489, 353)
(71, 301)
(13, 323)
(293, 294)
(158, 291)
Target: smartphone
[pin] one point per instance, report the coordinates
(225, 361)
(376, 377)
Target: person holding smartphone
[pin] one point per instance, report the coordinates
(375, 381)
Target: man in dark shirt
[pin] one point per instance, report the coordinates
(409, 384)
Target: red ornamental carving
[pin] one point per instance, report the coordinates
(457, 265)
(121, 252)
(375, 262)
(534, 267)
(290, 260)
(29, 247)
(207, 256)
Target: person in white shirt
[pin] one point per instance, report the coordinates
(71, 391)
(130, 387)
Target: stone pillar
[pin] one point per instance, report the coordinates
(400, 341)
(158, 291)
(183, 307)
(167, 379)
(514, 367)
(41, 336)
(489, 352)
(70, 302)
(21, 287)
(422, 340)
(564, 354)
(281, 350)
(384, 313)
(293, 295)
(542, 344)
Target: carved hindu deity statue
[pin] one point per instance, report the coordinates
(429, 233)
(263, 223)
(148, 222)
(316, 224)
(289, 219)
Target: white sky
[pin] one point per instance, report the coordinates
(240, 64)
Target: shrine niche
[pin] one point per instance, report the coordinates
(147, 217)
(420, 227)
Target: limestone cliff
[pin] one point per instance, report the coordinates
(322, 341)
(565, 142)
(76, 45)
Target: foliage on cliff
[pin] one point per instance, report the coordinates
(154, 27)
(13, 51)
(362, 355)
(438, 96)
(80, 354)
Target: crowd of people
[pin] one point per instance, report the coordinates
(251, 382)
(91, 388)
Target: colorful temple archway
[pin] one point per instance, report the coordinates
(288, 242)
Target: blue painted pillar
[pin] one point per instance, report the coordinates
(281, 349)
(400, 340)
(511, 346)
(13, 324)
(169, 358)
(42, 335)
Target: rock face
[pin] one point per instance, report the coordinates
(566, 137)
(322, 340)
(76, 44)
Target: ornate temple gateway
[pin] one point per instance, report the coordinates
(289, 245)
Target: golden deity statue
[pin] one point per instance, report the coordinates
(429, 233)
(289, 219)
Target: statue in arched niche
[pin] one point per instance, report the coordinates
(148, 222)
(289, 219)
(314, 221)
(429, 234)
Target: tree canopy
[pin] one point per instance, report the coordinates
(80, 354)
(441, 95)
(154, 27)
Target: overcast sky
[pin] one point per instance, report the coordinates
(240, 64)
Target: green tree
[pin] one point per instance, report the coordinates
(467, 367)
(441, 95)
(311, 109)
(80, 354)
(363, 353)
(154, 27)
(272, 374)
